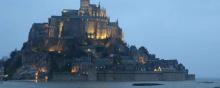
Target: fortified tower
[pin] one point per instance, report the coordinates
(84, 7)
(84, 4)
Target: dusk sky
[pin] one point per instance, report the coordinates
(187, 30)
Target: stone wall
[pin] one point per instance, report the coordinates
(173, 76)
(65, 76)
(191, 77)
(142, 76)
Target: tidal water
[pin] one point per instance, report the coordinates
(169, 84)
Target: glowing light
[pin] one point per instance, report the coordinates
(43, 69)
(158, 69)
(89, 50)
(57, 48)
(46, 78)
(155, 70)
(97, 33)
(51, 50)
(92, 36)
(36, 76)
(141, 60)
(102, 34)
(60, 29)
(75, 69)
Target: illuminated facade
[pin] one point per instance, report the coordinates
(90, 21)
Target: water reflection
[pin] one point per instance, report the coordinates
(76, 84)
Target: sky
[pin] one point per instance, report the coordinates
(187, 30)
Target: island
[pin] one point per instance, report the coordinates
(85, 45)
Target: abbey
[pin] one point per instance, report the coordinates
(89, 22)
(85, 45)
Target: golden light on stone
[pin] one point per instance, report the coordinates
(56, 48)
(141, 60)
(95, 31)
(52, 50)
(102, 34)
(90, 28)
(43, 69)
(46, 78)
(75, 69)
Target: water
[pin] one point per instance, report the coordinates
(169, 84)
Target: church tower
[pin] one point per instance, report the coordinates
(84, 4)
